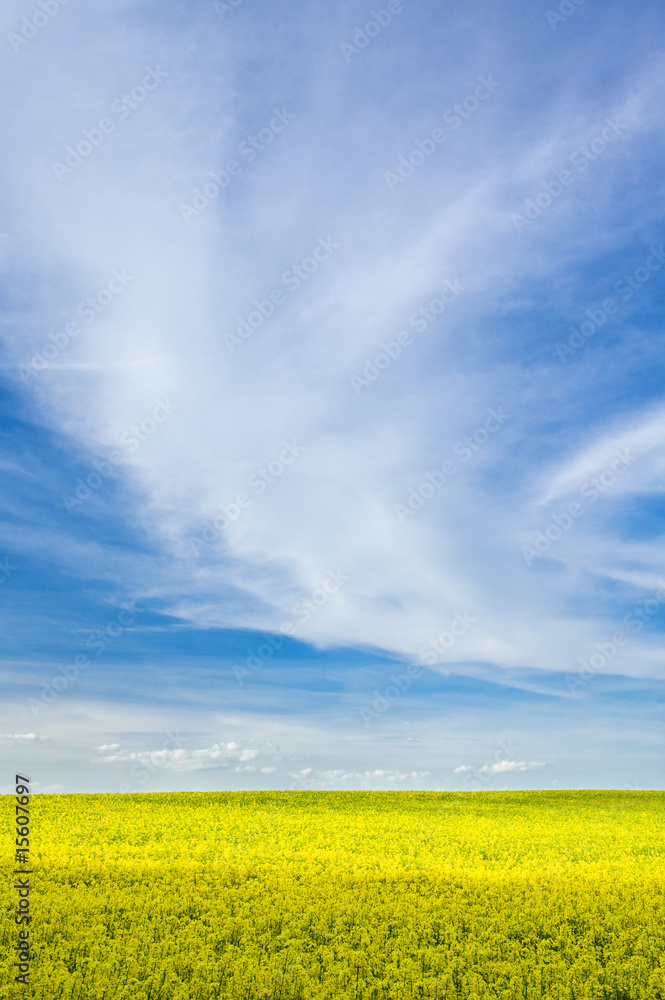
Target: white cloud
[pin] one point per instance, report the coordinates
(642, 443)
(220, 755)
(26, 738)
(508, 766)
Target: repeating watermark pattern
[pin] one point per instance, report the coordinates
(296, 275)
(629, 800)
(259, 481)
(224, 7)
(604, 652)
(248, 149)
(22, 873)
(455, 117)
(434, 649)
(596, 318)
(465, 448)
(7, 570)
(130, 441)
(121, 108)
(418, 497)
(505, 762)
(259, 656)
(32, 25)
(150, 762)
(378, 22)
(299, 781)
(591, 490)
(565, 10)
(396, 689)
(581, 160)
(301, 611)
(625, 288)
(98, 642)
(88, 310)
(420, 320)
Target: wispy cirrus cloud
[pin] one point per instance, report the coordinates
(246, 266)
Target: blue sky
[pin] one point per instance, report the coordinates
(331, 407)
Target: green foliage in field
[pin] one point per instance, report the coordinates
(344, 896)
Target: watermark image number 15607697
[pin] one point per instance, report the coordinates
(22, 882)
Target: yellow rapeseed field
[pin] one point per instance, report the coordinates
(349, 895)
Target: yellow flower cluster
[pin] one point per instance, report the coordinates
(344, 896)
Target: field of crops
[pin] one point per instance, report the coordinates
(350, 895)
